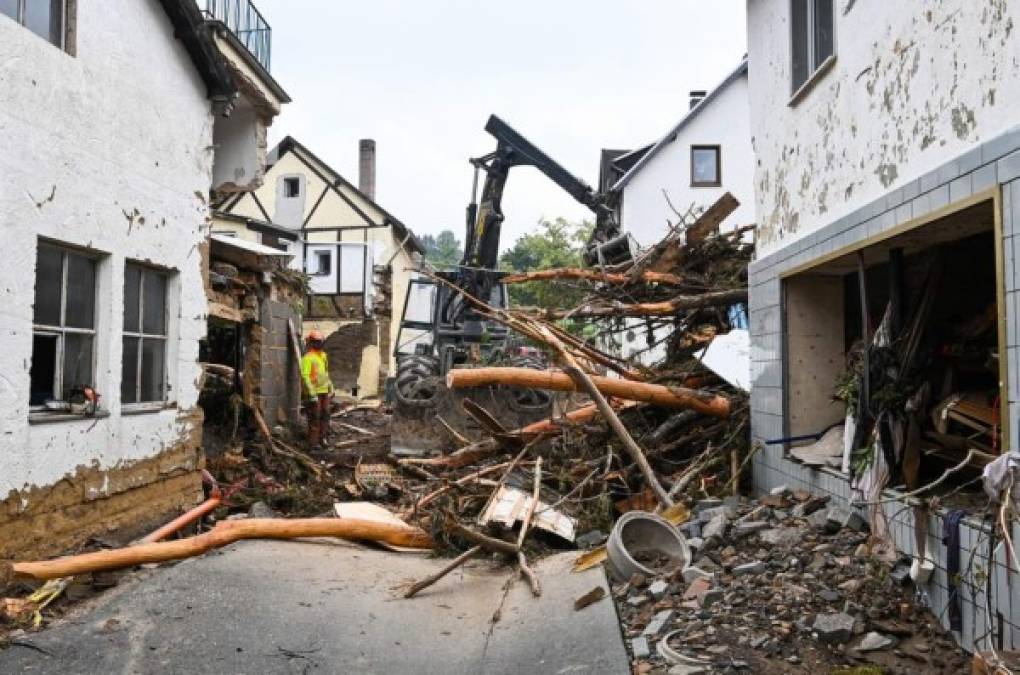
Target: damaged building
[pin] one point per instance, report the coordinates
(117, 117)
(359, 258)
(883, 299)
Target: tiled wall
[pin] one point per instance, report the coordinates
(995, 162)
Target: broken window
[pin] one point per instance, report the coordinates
(894, 359)
(63, 332)
(291, 187)
(143, 378)
(705, 166)
(812, 38)
(45, 18)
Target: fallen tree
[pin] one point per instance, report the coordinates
(224, 533)
(580, 274)
(668, 397)
(610, 309)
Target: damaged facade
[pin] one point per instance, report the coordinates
(358, 257)
(110, 112)
(887, 158)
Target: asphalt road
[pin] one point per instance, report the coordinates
(329, 607)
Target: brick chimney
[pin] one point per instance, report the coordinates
(366, 167)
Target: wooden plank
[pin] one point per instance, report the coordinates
(709, 221)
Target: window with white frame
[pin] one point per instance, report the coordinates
(45, 18)
(812, 38)
(143, 378)
(64, 323)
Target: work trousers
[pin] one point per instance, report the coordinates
(318, 420)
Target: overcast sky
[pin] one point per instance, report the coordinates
(422, 76)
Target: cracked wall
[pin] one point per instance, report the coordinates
(913, 85)
(109, 150)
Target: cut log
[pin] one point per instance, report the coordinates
(663, 308)
(528, 378)
(709, 221)
(579, 274)
(224, 533)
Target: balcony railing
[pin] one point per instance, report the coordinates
(246, 23)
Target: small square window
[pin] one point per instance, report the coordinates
(291, 187)
(705, 169)
(323, 263)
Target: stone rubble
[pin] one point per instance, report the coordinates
(785, 584)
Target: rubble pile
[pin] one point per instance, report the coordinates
(786, 584)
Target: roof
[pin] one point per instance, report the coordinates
(691, 114)
(191, 29)
(614, 163)
(289, 143)
(258, 225)
(248, 246)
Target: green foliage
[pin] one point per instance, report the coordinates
(554, 243)
(444, 251)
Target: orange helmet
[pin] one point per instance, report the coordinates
(316, 334)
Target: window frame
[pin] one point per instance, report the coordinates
(718, 165)
(318, 255)
(66, 7)
(141, 336)
(289, 181)
(816, 69)
(60, 332)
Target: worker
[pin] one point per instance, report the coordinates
(318, 388)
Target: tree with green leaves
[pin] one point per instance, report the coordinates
(554, 243)
(444, 251)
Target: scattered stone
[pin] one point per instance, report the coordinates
(779, 491)
(716, 528)
(709, 515)
(900, 574)
(639, 647)
(834, 629)
(709, 597)
(756, 567)
(810, 506)
(658, 589)
(828, 595)
(638, 580)
(692, 528)
(783, 536)
(696, 543)
(637, 600)
(692, 573)
(696, 588)
(749, 527)
(687, 669)
(874, 641)
(839, 518)
(590, 539)
(262, 510)
(657, 623)
(759, 641)
(850, 585)
(704, 504)
(818, 520)
(862, 551)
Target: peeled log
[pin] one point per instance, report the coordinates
(576, 273)
(663, 308)
(528, 378)
(223, 534)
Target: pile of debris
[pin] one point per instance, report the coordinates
(787, 584)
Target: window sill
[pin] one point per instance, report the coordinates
(706, 185)
(812, 81)
(43, 417)
(145, 408)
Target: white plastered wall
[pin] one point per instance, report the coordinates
(109, 150)
(913, 85)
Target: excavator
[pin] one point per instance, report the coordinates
(440, 330)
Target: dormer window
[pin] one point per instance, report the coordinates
(291, 187)
(45, 18)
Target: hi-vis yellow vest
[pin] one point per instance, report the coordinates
(315, 372)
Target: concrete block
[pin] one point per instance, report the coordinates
(1003, 144)
(948, 172)
(910, 190)
(970, 160)
(658, 589)
(929, 181)
(639, 648)
(657, 623)
(903, 213)
(939, 197)
(833, 629)
(893, 199)
(960, 188)
(1008, 168)
(984, 178)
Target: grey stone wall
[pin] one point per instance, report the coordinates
(995, 162)
(279, 385)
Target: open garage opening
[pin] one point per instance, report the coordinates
(896, 347)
